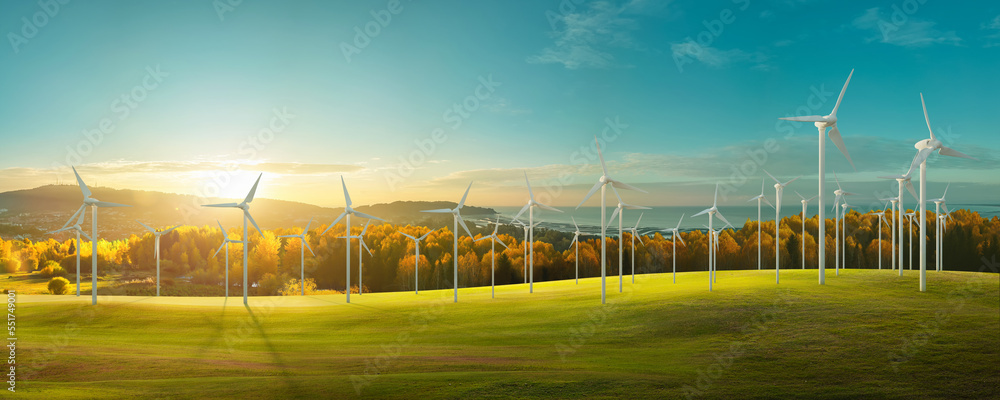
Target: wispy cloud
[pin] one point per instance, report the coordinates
(716, 58)
(586, 39)
(993, 32)
(908, 32)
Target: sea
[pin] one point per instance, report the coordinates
(661, 218)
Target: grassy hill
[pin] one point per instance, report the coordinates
(865, 334)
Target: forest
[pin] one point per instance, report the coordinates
(190, 265)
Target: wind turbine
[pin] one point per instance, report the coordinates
(348, 212)
(576, 240)
(675, 235)
(302, 256)
(620, 212)
(843, 220)
(760, 197)
(892, 232)
(903, 180)
(225, 243)
(494, 239)
(416, 260)
(524, 248)
(602, 183)
(79, 231)
(94, 204)
(944, 225)
(823, 122)
(909, 217)
(840, 193)
(805, 203)
(714, 243)
(712, 211)
(157, 235)
(881, 217)
(530, 207)
(925, 148)
(938, 205)
(457, 219)
(635, 232)
(361, 270)
(245, 206)
(778, 190)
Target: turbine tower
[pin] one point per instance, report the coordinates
(925, 148)
(156, 250)
(530, 208)
(94, 204)
(635, 232)
(457, 219)
(602, 183)
(79, 231)
(903, 180)
(245, 207)
(938, 243)
(778, 190)
(225, 243)
(620, 212)
(823, 122)
(712, 211)
(302, 256)
(881, 218)
(348, 212)
(416, 260)
(674, 237)
(576, 240)
(494, 239)
(805, 203)
(840, 193)
(760, 197)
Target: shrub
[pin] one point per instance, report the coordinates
(205, 277)
(52, 271)
(58, 285)
(270, 284)
(10, 265)
(294, 288)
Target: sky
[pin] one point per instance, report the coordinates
(413, 100)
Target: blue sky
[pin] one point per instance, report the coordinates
(268, 86)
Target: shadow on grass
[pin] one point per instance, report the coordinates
(293, 389)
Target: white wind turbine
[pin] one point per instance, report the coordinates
(524, 246)
(635, 232)
(620, 212)
(361, 246)
(892, 230)
(79, 231)
(457, 219)
(674, 237)
(156, 250)
(881, 218)
(416, 260)
(245, 207)
(924, 149)
(302, 256)
(938, 243)
(823, 122)
(840, 193)
(778, 190)
(805, 203)
(902, 180)
(348, 212)
(712, 211)
(225, 244)
(843, 221)
(94, 204)
(576, 240)
(713, 240)
(602, 183)
(494, 239)
(909, 218)
(760, 197)
(943, 220)
(530, 208)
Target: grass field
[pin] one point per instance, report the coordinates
(865, 334)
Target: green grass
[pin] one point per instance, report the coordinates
(865, 334)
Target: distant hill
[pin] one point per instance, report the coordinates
(49, 207)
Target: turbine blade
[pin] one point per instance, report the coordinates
(462, 222)
(945, 191)
(221, 228)
(307, 226)
(679, 237)
(308, 247)
(501, 242)
(363, 215)
(624, 185)
(947, 151)
(83, 186)
(462, 203)
(425, 235)
(919, 159)
(715, 202)
(638, 221)
(347, 196)
(640, 238)
(811, 118)
(768, 202)
(523, 209)
(700, 213)
(146, 226)
(613, 215)
(679, 222)
(590, 193)
(76, 214)
(107, 204)
(404, 234)
(250, 217)
(365, 245)
(336, 221)
(799, 194)
(926, 118)
(601, 156)
(253, 190)
(531, 194)
(224, 243)
(438, 211)
(837, 140)
(719, 214)
(221, 205)
(841, 97)
(772, 178)
(543, 206)
(168, 230)
(574, 224)
(793, 180)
